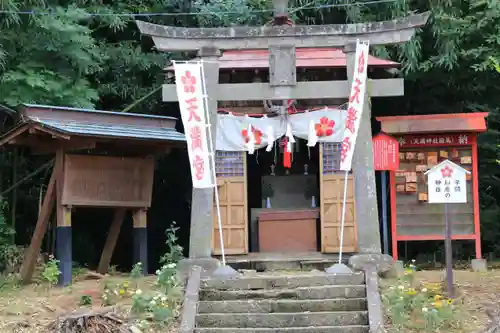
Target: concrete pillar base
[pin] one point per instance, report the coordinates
(338, 269)
(479, 265)
(382, 262)
(397, 270)
(208, 265)
(64, 253)
(141, 248)
(225, 272)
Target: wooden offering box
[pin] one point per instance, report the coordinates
(288, 230)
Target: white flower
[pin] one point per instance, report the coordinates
(172, 265)
(425, 310)
(424, 290)
(138, 292)
(152, 303)
(158, 272)
(413, 261)
(401, 287)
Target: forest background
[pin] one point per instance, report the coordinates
(89, 54)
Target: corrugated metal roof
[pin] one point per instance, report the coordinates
(127, 114)
(113, 130)
(306, 58)
(84, 122)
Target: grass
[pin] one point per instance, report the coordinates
(476, 292)
(28, 309)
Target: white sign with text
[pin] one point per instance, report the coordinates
(447, 183)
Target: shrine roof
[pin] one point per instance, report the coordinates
(306, 58)
(434, 123)
(66, 122)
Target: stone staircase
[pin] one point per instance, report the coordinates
(305, 303)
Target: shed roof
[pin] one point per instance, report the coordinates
(306, 58)
(66, 121)
(434, 123)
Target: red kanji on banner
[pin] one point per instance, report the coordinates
(192, 108)
(189, 82)
(199, 167)
(352, 115)
(196, 142)
(361, 63)
(357, 89)
(345, 147)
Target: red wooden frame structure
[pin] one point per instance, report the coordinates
(441, 130)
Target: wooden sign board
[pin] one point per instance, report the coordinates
(385, 153)
(104, 181)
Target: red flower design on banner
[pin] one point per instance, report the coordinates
(188, 81)
(324, 127)
(446, 172)
(256, 133)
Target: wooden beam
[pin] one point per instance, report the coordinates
(303, 90)
(41, 226)
(14, 133)
(54, 133)
(47, 148)
(109, 246)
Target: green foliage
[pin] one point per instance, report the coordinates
(164, 302)
(85, 300)
(11, 256)
(174, 250)
(50, 271)
(419, 308)
(136, 271)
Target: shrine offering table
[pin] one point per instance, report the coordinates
(288, 230)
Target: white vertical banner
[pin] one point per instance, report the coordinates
(356, 103)
(188, 80)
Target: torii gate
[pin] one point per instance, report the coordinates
(281, 41)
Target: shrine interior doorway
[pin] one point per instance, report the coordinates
(283, 203)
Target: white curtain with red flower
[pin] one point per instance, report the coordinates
(328, 124)
(232, 131)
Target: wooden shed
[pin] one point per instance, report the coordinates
(102, 159)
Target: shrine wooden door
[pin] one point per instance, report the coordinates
(331, 197)
(231, 171)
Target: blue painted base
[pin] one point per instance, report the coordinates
(141, 248)
(64, 253)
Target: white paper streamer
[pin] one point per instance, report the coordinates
(312, 138)
(289, 134)
(270, 138)
(251, 140)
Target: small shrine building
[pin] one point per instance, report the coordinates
(277, 170)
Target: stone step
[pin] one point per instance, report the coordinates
(279, 320)
(282, 305)
(321, 292)
(315, 329)
(284, 281)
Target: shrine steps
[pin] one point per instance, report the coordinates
(265, 262)
(301, 302)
